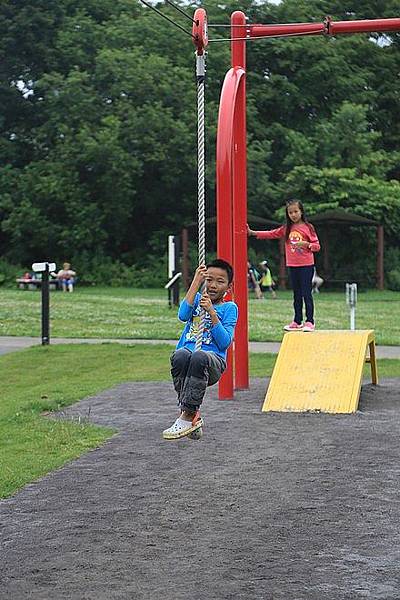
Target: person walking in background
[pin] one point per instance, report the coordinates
(266, 282)
(67, 277)
(301, 241)
(253, 277)
(317, 281)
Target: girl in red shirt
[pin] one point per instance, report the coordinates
(301, 242)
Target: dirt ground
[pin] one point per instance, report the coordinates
(266, 506)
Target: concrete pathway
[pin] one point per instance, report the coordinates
(11, 344)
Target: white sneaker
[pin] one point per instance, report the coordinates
(182, 428)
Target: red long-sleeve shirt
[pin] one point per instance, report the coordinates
(295, 257)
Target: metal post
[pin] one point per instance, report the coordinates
(175, 287)
(232, 191)
(45, 307)
(239, 205)
(351, 300)
(352, 318)
(185, 258)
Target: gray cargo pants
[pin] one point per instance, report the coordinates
(192, 373)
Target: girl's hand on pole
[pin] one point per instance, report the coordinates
(249, 231)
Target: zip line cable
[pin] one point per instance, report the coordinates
(246, 39)
(180, 10)
(167, 18)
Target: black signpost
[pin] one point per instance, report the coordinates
(44, 268)
(45, 307)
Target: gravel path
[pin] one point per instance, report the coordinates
(266, 506)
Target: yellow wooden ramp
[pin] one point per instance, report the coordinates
(320, 371)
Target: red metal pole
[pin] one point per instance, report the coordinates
(328, 27)
(224, 208)
(372, 25)
(241, 352)
(224, 221)
(226, 183)
(231, 158)
(289, 29)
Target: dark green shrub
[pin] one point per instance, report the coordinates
(9, 273)
(104, 271)
(393, 280)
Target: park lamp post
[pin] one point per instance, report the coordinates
(45, 268)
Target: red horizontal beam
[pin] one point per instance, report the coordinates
(328, 27)
(372, 25)
(289, 29)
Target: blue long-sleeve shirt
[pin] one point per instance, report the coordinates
(216, 338)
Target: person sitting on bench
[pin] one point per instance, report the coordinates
(67, 277)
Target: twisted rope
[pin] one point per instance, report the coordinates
(201, 175)
(201, 181)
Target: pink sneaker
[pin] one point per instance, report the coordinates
(308, 326)
(293, 327)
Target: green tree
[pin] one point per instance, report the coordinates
(98, 122)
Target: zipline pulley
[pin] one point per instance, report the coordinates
(200, 30)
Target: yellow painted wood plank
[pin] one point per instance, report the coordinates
(319, 371)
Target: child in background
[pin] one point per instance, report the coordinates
(317, 281)
(301, 242)
(253, 277)
(194, 370)
(266, 281)
(67, 277)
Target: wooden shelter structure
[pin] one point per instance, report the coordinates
(325, 222)
(328, 220)
(212, 221)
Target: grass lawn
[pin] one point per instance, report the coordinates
(42, 379)
(129, 313)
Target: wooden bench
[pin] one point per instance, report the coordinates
(36, 284)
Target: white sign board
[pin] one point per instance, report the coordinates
(172, 281)
(40, 267)
(171, 255)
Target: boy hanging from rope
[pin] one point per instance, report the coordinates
(194, 370)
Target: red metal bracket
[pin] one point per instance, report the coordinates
(200, 30)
